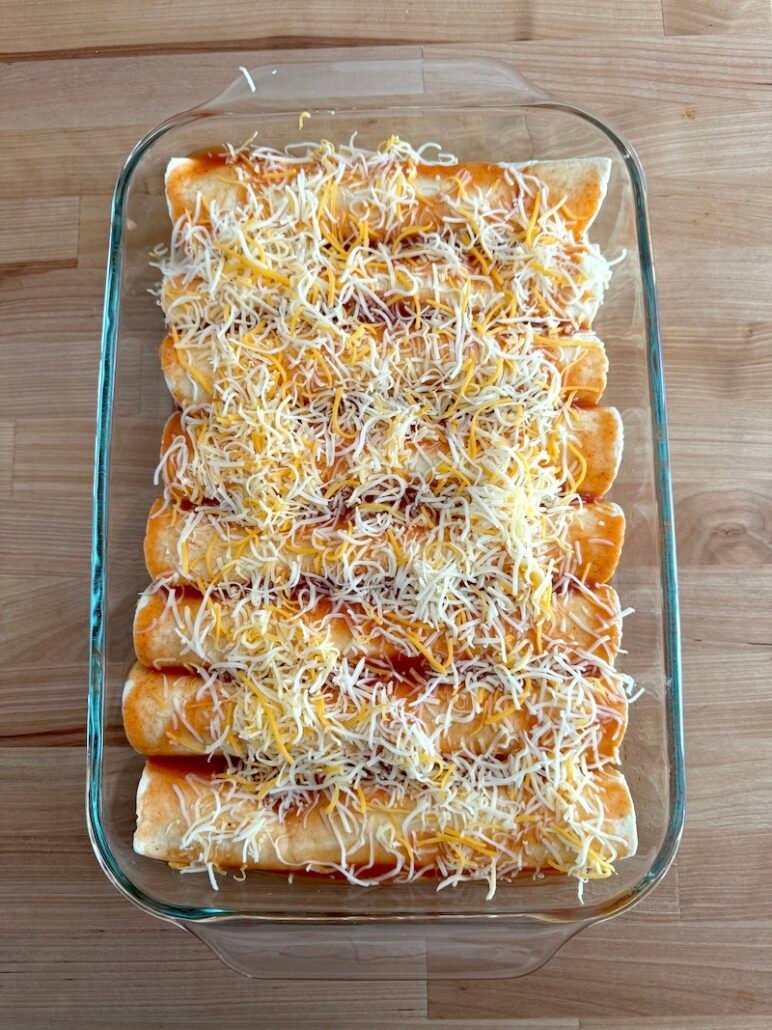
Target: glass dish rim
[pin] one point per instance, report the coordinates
(670, 616)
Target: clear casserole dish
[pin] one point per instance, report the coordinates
(268, 925)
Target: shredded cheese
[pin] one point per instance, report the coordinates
(376, 349)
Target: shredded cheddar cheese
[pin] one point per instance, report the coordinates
(378, 435)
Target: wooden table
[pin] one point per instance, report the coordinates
(689, 83)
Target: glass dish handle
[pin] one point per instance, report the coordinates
(364, 79)
(381, 952)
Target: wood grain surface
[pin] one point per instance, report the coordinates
(689, 82)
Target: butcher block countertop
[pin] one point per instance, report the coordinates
(690, 83)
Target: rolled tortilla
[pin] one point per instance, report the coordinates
(178, 629)
(188, 303)
(193, 184)
(235, 830)
(589, 458)
(191, 377)
(215, 553)
(175, 713)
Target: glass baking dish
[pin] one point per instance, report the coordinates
(266, 925)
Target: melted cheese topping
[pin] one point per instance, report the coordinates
(373, 368)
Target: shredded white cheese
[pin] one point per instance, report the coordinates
(379, 421)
